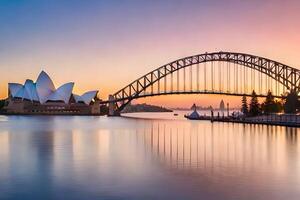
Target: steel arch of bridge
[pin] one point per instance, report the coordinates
(287, 76)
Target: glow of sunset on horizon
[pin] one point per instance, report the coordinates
(104, 45)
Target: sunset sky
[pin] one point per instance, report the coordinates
(105, 45)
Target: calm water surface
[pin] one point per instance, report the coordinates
(166, 157)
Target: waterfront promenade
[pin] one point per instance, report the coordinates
(272, 119)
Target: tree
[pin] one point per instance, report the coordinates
(254, 105)
(244, 105)
(2, 104)
(269, 103)
(278, 107)
(291, 102)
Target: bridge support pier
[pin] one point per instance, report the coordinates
(112, 107)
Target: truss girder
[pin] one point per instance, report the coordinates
(285, 75)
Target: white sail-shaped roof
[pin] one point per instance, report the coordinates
(63, 93)
(31, 91)
(89, 96)
(27, 91)
(86, 97)
(21, 93)
(77, 98)
(44, 86)
(44, 90)
(14, 88)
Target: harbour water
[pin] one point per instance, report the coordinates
(154, 156)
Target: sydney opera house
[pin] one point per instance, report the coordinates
(41, 97)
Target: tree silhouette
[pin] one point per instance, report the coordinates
(291, 102)
(2, 104)
(270, 105)
(254, 105)
(244, 105)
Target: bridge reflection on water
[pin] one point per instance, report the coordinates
(113, 157)
(206, 145)
(175, 144)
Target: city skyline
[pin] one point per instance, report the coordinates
(109, 44)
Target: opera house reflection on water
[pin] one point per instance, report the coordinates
(41, 97)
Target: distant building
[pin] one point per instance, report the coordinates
(41, 97)
(194, 107)
(222, 105)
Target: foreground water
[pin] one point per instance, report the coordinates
(163, 158)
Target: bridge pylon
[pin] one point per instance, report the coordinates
(112, 106)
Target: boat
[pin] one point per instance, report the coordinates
(189, 117)
(194, 115)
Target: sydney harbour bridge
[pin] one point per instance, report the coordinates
(224, 73)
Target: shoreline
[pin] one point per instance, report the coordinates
(258, 121)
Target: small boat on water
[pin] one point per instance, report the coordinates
(194, 115)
